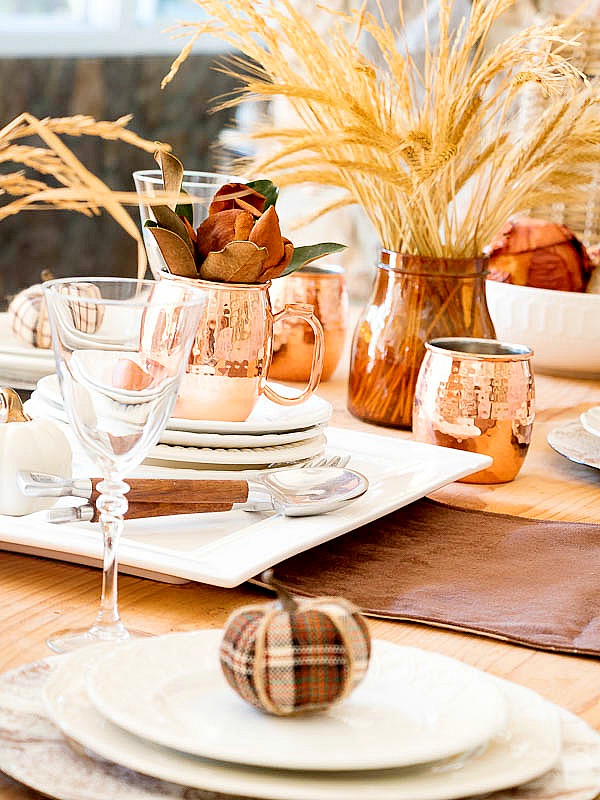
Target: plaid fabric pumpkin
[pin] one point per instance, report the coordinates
(302, 658)
(29, 318)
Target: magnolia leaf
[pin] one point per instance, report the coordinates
(237, 262)
(304, 255)
(168, 219)
(268, 190)
(172, 172)
(175, 252)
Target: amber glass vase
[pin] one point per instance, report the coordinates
(415, 298)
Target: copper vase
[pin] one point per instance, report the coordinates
(324, 288)
(477, 395)
(414, 299)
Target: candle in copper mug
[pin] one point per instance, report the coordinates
(477, 395)
(324, 288)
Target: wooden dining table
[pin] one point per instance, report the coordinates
(39, 596)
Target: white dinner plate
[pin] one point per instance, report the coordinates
(239, 457)
(527, 747)
(267, 417)
(412, 707)
(227, 440)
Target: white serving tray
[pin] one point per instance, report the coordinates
(225, 549)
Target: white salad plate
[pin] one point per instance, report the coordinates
(590, 420)
(577, 444)
(266, 418)
(412, 707)
(10, 345)
(225, 549)
(528, 746)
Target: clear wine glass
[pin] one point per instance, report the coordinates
(121, 348)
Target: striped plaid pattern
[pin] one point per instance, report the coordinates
(305, 662)
(29, 319)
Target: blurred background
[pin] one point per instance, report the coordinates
(104, 58)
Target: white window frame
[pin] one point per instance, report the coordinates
(109, 28)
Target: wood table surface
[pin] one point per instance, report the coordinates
(39, 596)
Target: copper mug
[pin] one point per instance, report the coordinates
(231, 354)
(477, 395)
(324, 288)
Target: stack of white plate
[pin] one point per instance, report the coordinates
(421, 726)
(272, 436)
(579, 440)
(21, 365)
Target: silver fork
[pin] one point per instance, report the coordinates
(328, 461)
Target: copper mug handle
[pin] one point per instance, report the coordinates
(307, 313)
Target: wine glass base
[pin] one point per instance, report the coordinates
(70, 640)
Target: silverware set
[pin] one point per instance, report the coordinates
(317, 487)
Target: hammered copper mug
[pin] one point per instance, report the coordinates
(477, 395)
(232, 351)
(324, 288)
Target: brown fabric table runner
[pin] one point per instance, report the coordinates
(527, 581)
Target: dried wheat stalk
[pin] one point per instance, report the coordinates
(79, 189)
(432, 156)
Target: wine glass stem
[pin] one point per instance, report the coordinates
(112, 505)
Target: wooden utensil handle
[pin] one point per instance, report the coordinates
(143, 510)
(184, 492)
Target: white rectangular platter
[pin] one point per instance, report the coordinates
(228, 548)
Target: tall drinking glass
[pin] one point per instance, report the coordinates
(121, 348)
(200, 186)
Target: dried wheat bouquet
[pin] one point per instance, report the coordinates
(433, 156)
(67, 183)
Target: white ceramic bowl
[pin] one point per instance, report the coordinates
(563, 328)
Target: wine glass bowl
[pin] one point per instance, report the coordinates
(121, 348)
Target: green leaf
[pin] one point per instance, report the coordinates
(150, 223)
(268, 190)
(185, 209)
(304, 255)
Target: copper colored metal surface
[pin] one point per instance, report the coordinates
(414, 299)
(477, 395)
(231, 354)
(325, 290)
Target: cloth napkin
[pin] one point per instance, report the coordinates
(527, 581)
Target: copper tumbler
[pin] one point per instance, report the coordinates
(324, 288)
(477, 395)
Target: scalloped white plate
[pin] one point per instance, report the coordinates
(412, 707)
(527, 747)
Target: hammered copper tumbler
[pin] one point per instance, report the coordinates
(477, 395)
(324, 288)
